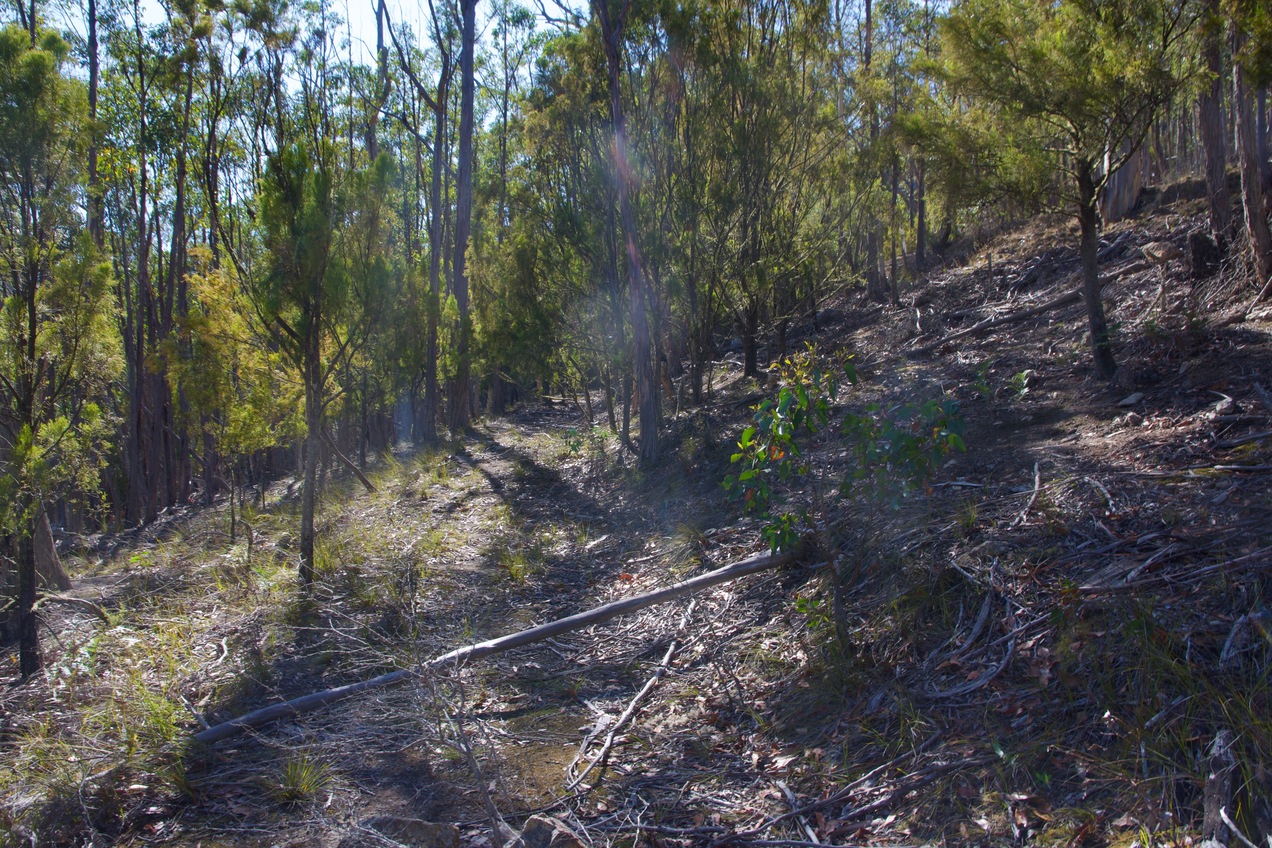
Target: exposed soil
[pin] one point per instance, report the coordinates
(1038, 648)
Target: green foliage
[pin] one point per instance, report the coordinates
(1050, 88)
(59, 349)
(770, 458)
(897, 450)
(894, 451)
(1254, 20)
(235, 388)
(301, 778)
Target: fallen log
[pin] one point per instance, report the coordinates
(1065, 299)
(597, 615)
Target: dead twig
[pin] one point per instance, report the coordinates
(1037, 485)
(1229, 444)
(1264, 397)
(346, 461)
(1260, 618)
(834, 798)
(602, 757)
(500, 832)
(1232, 826)
(1165, 553)
(81, 603)
(802, 820)
(1099, 487)
(972, 685)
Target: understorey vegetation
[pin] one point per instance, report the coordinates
(728, 423)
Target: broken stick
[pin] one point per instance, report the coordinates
(597, 615)
(346, 461)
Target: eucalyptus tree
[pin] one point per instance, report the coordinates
(437, 99)
(299, 213)
(1250, 38)
(301, 291)
(459, 388)
(572, 193)
(611, 17)
(133, 114)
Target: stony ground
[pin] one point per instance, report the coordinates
(1040, 647)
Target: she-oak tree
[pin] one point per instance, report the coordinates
(1067, 88)
(57, 346)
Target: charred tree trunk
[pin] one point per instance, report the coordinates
(313, 450)
(29, 659)
(1088, 219)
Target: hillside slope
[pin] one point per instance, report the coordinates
(1039, 646)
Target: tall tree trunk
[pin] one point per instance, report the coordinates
(95, 207)
(895, 287)
(1214, 133)
(920, 232)
(382, 81)
(459, 400)
(874, 282)
(1252, 195)
(1261, 134)
(179, 455)
(1088, 219)
(432, 394)
(646, 387)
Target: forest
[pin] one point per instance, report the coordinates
(336, 340)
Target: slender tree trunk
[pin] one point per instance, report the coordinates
(646, 387)
(608, 379)
(432, 394)
(750, 346)
(459, 400)
(1214, 134)
(313, 449)
(920, 231)
(1261, 133)
(382, 82)
(29, 659)
(895, 288)
(1252, 196)
(874, 281)
(95, 210)
(364, 420)
(1088, 219)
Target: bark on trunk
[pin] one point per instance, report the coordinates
(48, 565)
(1252, 198)
(1101, 344)
(1214, 136)
(313, 449)
(458, 399)
(29, 659)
